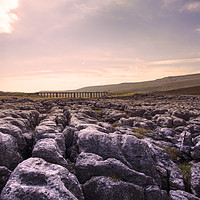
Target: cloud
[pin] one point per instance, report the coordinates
(197, 30)
(72, 79)
(6, 16)
(168, 2)
(191, 7)
(178, 61)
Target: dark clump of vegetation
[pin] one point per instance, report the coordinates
(186, 172)
(97, 111)
(102, 119)
(142, 130)
(115, 177)
(173, 153)
(115, 124)
(139, 136)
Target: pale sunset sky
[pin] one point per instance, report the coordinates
(68, 44)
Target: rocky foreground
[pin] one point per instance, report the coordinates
(143, 148)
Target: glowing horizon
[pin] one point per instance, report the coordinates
(66, 45)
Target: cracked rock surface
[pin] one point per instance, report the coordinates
(143, 147)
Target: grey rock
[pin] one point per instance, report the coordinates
(182, 195)
(129, 150)
(107, 128)
(169, 172)
(196, 140)
(184, 114)
(178, 122)
(107, 188)
(49, 150)
(167, 132)
(180, 129)
(89, 165)
(155, 193)
(136, 112)
(19, 122)
(194, 129)
(195, 151)
(113, 115)
(195, 179)
(143, 123)
(9, 155)
(4, 176)
(126, 122)
(89, 112)
(186, 142)
(159, 111)
(69, 135)
(42, 132)
(16, 132)
(163, 121)
(37, 179)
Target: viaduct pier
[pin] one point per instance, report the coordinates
(73, 95)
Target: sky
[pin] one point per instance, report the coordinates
(69, 44)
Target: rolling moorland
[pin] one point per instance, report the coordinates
(181, 85)
(163, 84)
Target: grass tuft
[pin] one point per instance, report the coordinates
(186, 172)
(97, 111)
(173, 153)
(115, 177)
(115, 124)
(139, 135)
(142, 130)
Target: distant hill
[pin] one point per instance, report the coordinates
(183, 91)
(167, 83)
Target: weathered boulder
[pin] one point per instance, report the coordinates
(16, 132)
(195, 179)
(68, 133)
(195, 151)
(184, 114)
(89, 165)
(165, 132)
(89, 112)
(128, 149)
(108, 188)
(186, 142)
(78, 119)
(126, 122)
(42, 132)
(4, 176)
(182, 195)
(154, 193)
(194, 129)
(9, 155)
(169, 171)
(196, 140)
(23, 124)
(178, 122)
(143, 123)
(112, 115)
(163, 121)
(37, 179)
(135, 112)
(49, 150)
